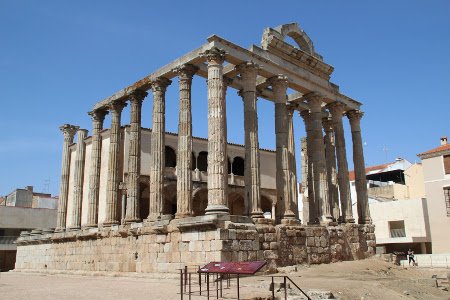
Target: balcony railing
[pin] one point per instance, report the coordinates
(7, 239)
(398, 233)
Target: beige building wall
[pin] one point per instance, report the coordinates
(415, 181)
(411, 211)
(103, 178)
(71, 185)
(87, 168)
(435, 181)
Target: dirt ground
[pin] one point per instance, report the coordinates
(369, 279)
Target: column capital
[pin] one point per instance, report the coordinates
(336, 107)
(214, 55)
(138, 95)
(116, 106)
(160, 84)
(354, 115)
(314, 100)
(98, 115)
(247, 69)
(278, 81)
(304, 113)
(186, 71)
(69, 131)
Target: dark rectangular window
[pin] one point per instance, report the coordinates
(447, 164)
(447, 199)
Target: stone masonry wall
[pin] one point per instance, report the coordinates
(121, 249)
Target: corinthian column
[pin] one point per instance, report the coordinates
(330, 155)
(292, 162)
(184, 157)
(78, 180)
(318, 158)
(157, 147)
(313, 207)
(112, 187)
(283, 183)
(69, 132)
(217, 134)
(98, 116)
(337, 110)
(360, 173)
(252, 176)
(134, 158)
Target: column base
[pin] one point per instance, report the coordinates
(364, 221)
(183, 215)
(215, 209)
(73, 229)
(89, 226)
(326, 220)
(60, 229)
(289, 221)
(257, 214)
(109, 223)
(133, 220)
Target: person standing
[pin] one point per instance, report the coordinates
(411, 257)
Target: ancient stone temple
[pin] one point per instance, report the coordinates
(143, 200)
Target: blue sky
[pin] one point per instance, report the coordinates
(58, 58)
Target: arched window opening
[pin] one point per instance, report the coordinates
(171, 158)
(202, 161)
(238, 166)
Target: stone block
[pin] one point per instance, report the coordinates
(246, 245)
(270, 237)
(274, 246)
(270, 254)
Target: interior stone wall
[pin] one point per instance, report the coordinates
(170, 247)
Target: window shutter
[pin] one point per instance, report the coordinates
(447, 164)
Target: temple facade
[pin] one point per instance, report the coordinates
(141, 200)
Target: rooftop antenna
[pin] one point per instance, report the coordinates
(385, 150)
(46, 188)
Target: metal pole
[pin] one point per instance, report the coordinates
(185, 277)
(181, 283)
(221, 277)
(200, 280)
(285, 288)
(217, 287)
(189, 286)
(238, 286)
(207, 285)
(273, 289)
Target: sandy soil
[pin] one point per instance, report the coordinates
(369, 279)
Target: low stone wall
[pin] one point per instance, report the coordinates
(167, 246)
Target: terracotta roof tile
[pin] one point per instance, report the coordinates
(436, 150)
(351, 174)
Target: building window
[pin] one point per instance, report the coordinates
(447, 164)
(397, 229)
(447, 199)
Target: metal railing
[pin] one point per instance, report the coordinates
(8, 239)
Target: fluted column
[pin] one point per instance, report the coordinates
(292, 162)
(184, 157)
(98, 116)
(313, 207)
(318, 158)
(112, 186)
(305, 174)
(68, 132)
(78, 176)
(157, 147)
(217, 134)
(330, 155)
(337, 110)
(134, 158)
(283, 183)
(252, 177)
(360, 173)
